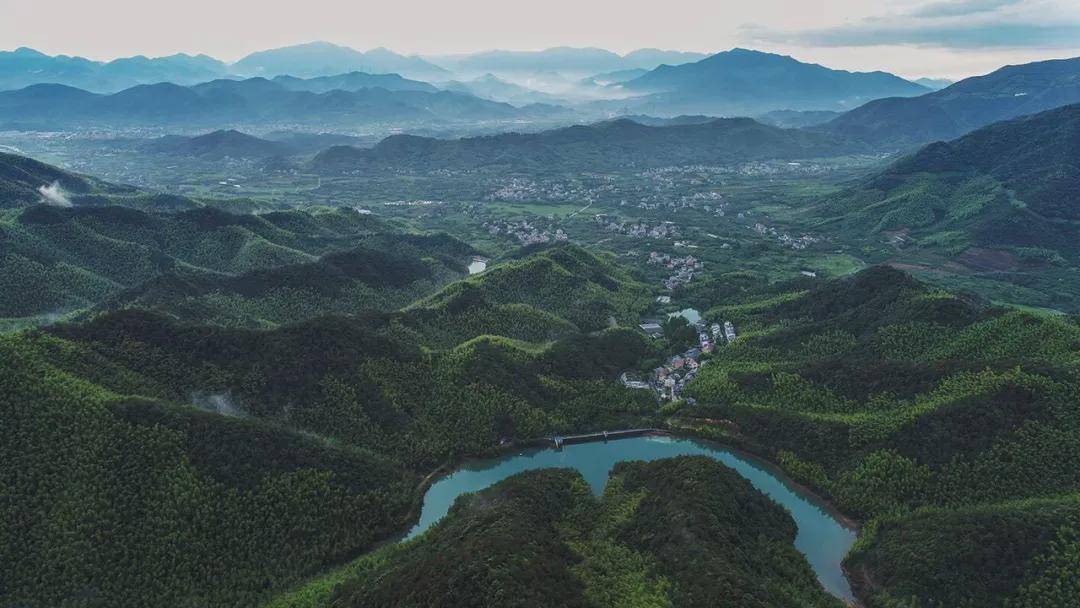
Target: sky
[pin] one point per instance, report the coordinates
(913, 38)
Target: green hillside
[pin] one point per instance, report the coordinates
(962, 107)
(215, 510)
(566, 280)
(315, 440)
(360, 383)
(22, 178)
(53, 260)
(998, 203)
(892, 397)
(679, 532)
(385, 272)
(975, 555)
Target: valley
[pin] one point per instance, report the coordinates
(309, 329)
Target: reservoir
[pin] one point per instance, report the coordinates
(822, 537)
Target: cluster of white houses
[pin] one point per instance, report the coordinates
(669, 380)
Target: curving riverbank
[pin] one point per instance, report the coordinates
(824, 536)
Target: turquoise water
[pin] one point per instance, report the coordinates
(690, 314)
(822, 538)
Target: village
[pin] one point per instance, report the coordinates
(669, 380)
(525, 232)
(683, 268)
(639, 229)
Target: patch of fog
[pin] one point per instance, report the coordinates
(221, 403)
(54, 194)
(51, 317)
(477, 266)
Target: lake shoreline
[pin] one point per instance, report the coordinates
(825, 535)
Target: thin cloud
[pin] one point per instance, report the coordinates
(960, 24)
(993, 35)
(959, 8)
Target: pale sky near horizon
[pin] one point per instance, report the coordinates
(913, 38)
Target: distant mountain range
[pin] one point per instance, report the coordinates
(934, 84)
(325, 59)
(796, 119)
(744, 82)
(1001, 197)
(353, 81)
(490, 86)
(568, 61)
(222, 103)
(615, 144)
(616, 77)
(24, 67)
(1009, 92)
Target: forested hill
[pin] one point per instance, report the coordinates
(962, 107)
(682, 532)
(1010, 187)
(939, 420)
(294, 448)
(608, 145)
(219, 144)
(55, 259)
(383, 273)
(566, 280)
(316, 437)
(25, 181)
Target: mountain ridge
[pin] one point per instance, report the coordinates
(621, 142)
(964, 106)
(748, 81)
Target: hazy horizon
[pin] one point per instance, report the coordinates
(912, 38)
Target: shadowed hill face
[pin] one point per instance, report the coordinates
(364, 381)
(997, 540)
(679, 532)
(964, 106)
(218, 145)
(203, 475)
(602, 146)
(76, 257)
(929, 415)
(382, 274)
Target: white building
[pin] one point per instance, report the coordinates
(729, 331)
